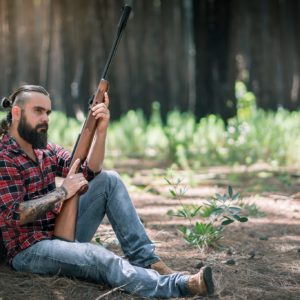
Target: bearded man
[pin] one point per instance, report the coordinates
(30, 203)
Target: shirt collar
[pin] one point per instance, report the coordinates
(12, 145)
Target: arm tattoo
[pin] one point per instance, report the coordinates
(34, 209)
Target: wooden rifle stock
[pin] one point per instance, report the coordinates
(65, 225)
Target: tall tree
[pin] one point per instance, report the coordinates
(214, 82)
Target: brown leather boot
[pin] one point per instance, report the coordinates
(201, 283)
(162, 268)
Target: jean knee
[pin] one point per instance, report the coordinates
(111, 177)
(106, 177)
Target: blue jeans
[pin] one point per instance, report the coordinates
(82, 259)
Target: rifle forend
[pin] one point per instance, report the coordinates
(65, 224)
(86, 136)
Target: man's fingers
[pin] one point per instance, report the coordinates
(99, 108)
(77, 176)
(100, 111)
(74, 167)
(102, 115)
(106, 99)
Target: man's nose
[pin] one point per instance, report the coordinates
(45, 118)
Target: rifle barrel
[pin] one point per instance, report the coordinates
(121, 27)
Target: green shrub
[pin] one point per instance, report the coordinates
(62, 130)
(206, 222)
(252, 136)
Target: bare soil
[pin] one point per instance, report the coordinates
(259, 259)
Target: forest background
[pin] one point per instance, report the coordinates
(193, 82)
(185, 54)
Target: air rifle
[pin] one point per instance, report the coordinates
(66, 220)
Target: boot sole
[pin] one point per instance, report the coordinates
(207, 276)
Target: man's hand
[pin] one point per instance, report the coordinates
(96, 154)
(100, 111)
(35, 209)
(74, 181)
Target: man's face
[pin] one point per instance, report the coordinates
(33, 123)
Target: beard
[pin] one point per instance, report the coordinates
(36, 136)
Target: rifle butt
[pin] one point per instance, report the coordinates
(65, 224)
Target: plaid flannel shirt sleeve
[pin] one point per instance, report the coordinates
(11, 193)
(63, 164)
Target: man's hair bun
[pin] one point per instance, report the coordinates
(5, 103)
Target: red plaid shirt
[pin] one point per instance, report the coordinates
(22, 179)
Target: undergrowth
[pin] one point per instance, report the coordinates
(208, 221)
(253, 135)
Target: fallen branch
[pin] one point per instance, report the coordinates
(110, 292)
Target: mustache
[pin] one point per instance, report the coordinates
(42, 126)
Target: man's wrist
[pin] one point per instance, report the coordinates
(101, 133)
(63, 192)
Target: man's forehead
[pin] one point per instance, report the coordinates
(37, 99)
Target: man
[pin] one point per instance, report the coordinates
(30, 203)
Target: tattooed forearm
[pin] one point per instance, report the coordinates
(34, 209)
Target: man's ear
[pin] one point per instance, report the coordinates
(16, 113)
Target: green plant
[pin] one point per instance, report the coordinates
(186, 211)
(285, 179)
(102, 240)
(252, 210)
(223, 208)
(63, 130)
(127, 136)
(217, 213)
(179, 130)
(246, 102)
(191, 143)
(201, 234)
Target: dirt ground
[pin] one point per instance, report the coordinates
(259, 259)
